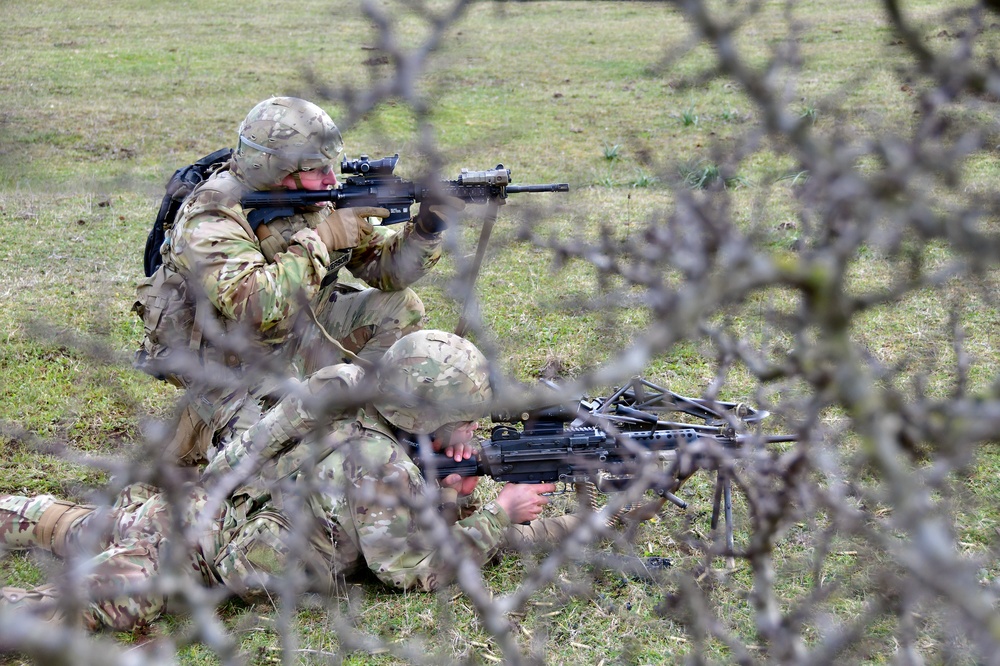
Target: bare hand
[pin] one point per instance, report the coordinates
(461, 451)
(457, 440)
(524, 502)
(463, 485)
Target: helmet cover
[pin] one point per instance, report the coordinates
(430, 378)
(282, 135)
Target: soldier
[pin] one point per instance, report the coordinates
(229, 300)
(433, 385)
(315, 508)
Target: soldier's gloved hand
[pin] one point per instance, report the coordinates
(271, 244)
(436, 215)
(343, 228)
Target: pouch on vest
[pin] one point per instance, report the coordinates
(168, 318)
(191, 441)
(266, 548)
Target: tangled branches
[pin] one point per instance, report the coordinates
(853, 542)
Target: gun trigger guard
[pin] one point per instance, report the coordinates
(558, 491)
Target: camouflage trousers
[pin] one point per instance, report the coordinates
(119, 548)
(363, 322)
(543, 532)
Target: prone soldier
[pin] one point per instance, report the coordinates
(359, 503)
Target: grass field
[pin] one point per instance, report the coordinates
(101, 104)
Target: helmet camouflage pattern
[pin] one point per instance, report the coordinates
(431, 378)
(282, 135)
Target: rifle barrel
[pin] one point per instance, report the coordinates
(549, 187)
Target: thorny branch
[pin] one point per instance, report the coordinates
(877, 476)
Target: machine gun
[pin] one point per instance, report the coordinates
(373, 183)
(607, 441)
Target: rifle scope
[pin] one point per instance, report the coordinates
(366, 166)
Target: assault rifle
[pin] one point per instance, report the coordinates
(607, 442)
(372, 183)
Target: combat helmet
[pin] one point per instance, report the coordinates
(282, 135)
(431, 378)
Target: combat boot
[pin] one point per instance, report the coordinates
(43, 603)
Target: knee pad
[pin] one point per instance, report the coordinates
(54, 526)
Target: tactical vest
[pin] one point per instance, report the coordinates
(173, 317)
(178, 325)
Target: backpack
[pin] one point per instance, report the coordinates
(179, 186)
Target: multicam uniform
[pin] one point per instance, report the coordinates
(367, 490)
(368, 493)
(269, 298)
(374, 511)
(263, 283)
(243, 551)
(240, 550)
(127, 539)
(363, 499)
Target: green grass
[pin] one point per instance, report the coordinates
(102, 104)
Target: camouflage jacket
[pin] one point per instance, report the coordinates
(375, 495)
(369, 497)
(212, 244)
